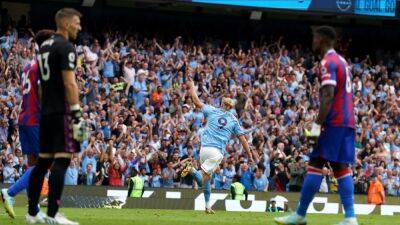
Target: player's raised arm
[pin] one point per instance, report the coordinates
(246, 147)
(193, 94)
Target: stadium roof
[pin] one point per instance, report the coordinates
(190, 6)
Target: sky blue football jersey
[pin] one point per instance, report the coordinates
(220, 126)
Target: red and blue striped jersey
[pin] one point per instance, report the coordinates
(30, 107)
(335, 71)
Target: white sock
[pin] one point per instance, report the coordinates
(208, 206)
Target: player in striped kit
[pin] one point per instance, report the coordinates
(28, 125)
(334, 129)
(221, 125)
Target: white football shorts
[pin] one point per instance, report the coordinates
(210, 158)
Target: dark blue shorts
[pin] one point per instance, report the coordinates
(336, 144)
(29, 138)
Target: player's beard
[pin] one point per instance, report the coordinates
(72, 34)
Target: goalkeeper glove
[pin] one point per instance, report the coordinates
(79, 126)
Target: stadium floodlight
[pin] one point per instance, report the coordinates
(88, 3)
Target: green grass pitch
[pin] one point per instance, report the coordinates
(187, 217)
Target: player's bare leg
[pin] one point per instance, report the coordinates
(203, 180)
(207, 191)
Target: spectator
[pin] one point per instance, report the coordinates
(281, 178)
(260, 182)
(376, 193)
(168, 175)
(246, 176)
(3, 130)
(333, 183)
(89, 175)
(297, 172)
(144, 178)
(71, 176)
(129, 72)
(324, 188)
(228, 174)
(136, 185)
(1, 172)
(20, 167)
(238, 190)
(103, 166)
(392, 183)
(155, 179)
(217, 179)
(88, 157)
(140, 89)
(360, 182)
(115, 172)
(9, 172)
(273, 207)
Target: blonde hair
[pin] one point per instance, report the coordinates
(228, 102)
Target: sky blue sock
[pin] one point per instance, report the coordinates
(207, 193)
(310, 187)
(21, 184)
(198, 177)
(346, 192)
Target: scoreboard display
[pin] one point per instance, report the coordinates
(385, 8)
(375, 7)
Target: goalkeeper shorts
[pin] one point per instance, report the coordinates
(56, 135)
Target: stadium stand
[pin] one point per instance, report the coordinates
(135, 100)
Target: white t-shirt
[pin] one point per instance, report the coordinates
(129, 74)
(299, 75)
(90, 56)
(324, 186)
(155, 145)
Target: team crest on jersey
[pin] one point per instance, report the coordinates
(71, 57)
(324, 70)
(222, 122)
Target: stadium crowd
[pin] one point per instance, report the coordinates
(134, 97)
